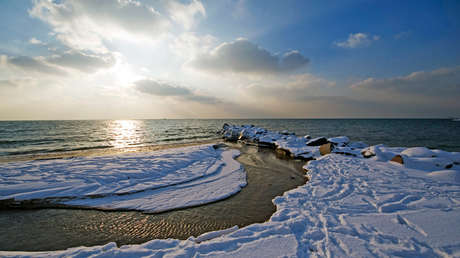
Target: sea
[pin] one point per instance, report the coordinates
(22, 138)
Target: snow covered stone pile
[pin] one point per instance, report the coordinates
(306, 148)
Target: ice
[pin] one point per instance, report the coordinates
(149, 182)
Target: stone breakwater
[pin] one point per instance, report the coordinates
(289, 145)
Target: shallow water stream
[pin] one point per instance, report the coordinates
(56, 229)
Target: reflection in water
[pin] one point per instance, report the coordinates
(125, 133)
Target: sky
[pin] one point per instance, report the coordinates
(153, 59)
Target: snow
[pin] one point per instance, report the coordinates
(352, 206)
(149, 182)
(421, 152)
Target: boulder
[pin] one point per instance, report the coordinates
(231, 134)
(283, 153)
(339, 141)
(367, 154)
(307, 137)
(398, 159)
(285, 132)
(419, 152)
(346, 151)
(326, 148)
(317, 141)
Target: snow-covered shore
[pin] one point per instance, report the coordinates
(357, 203)
(149, 182)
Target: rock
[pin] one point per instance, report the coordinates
(307, 137)
(449, 166)
(346, 151)
(219, 145)
(243, 135)
(282, 153)
(305, 156)
(340, 141)
(317, 141)
(285, 132)
(367, 154)
(326, 148)
(398, 159)
(231, 134)
(419, 152)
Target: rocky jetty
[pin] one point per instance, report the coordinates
(288, 145)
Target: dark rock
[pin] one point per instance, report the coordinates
(219, 146)
(317, 141)
(449, 166)
(398, 159)
(269, 145)
(286, 132)
(283, 154)
(326, 148)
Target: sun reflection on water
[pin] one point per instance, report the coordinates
(125, 133)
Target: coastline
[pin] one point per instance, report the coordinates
(360, 201)
(267, 178)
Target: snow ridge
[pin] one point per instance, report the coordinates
(149, 182)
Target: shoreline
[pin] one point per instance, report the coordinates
(267, 177)
(361, 200)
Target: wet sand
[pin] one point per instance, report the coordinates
(56, 229)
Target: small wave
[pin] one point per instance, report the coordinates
(29, 152)
(31, 141)
(178, 139)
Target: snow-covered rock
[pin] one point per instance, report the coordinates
(340, 140)
(317, 141)
(418, 152)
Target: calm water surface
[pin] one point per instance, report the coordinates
(39, 137)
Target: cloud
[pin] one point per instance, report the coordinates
(35, 41)
(90, 24)
(156, 88)
(7, 84)
(441, 82)
(59, 64)
(29, 64)
(243, 56)
(357, 40)
(83, 62)
(185, 14)
(85, 24)
(296, 88)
